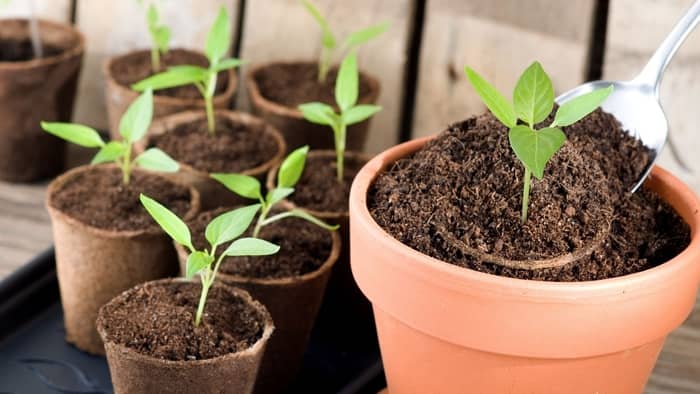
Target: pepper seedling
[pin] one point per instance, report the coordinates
(132, 126)
(346, 94)
(218, 42)
(287, 177)
(533, 100)
(160, 36)
(329, 43)
(224, 228)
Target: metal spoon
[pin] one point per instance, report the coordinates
(635, 103)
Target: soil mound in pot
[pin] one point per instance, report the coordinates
(462, 193)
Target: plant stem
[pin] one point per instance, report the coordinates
(261, 220)
(209, 105)
(206, 284)
(323, 64)
(526, 194)
(340, 150)
(126, 166)
(155, 59)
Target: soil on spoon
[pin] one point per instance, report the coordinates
(99, 198)
(21, 50)
(157, 320)
(463, 191)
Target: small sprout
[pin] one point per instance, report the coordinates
(533, 100)
(160, 36)
(330, 44)
(287, 177)
(218, 42)
(224, 228)
(132, 127)
(346, 94)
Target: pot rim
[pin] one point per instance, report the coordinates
(76, 50)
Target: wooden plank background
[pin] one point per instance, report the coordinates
(496, 37)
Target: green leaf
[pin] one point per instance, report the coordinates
(230, 225)
(135, 121)
(364, 35)
(75, 133)
(278, 194)
(110, 152)
(346, 84)
(327, 38)
(243, 185)
(535, 148)
(196, 262)
(310, 218)
(173, 77)
(168, 221)
(155, 159)
(292, 167)
(161, 36)
(577, 108)
(152, 16)
(360, 113)
(533, 96)
(319, 113)
(499, 106)
(227, 64)
(219, 37)
(251, 247)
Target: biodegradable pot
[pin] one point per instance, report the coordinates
(118, 97)
(134, 373)
(94, 264)
(212, 193)
(293, 303)
(290, 122)
(36, 90)
(443, 328)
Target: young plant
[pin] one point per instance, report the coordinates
(218, 42)
(160, 36)
(329, 43)
(533, 100)
(287, 177)
(224, 228)
(346, 94)
(132, 127)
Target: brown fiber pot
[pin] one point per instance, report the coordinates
(118, 97)
(94, 264)
(293, 304)
(447, 329)
(32, 91)
(212, 193)
(290, 122)
(235, 373)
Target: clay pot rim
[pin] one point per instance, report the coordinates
(63, 56)
(330, 215)
(219, 99)
(585, 292)
(259, 100)
(238, 292)
(164, 124)
(154, 230)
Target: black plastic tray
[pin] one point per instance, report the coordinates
(34, 358)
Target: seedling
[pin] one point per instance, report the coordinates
(224, 228)
(160, 36)
(533, 100)
(287, 177)
(346, 93)
(218, 42)
(132, 127)
(329, 44)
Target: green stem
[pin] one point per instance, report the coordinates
(126, 166)
(206, 284)
(209, 105)
(155, 59)
(323, 64)
(261, 220)
(526, 194)
(340, 151)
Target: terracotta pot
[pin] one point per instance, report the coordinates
(94, 264)
(118, 97)
(36, 90)
(443, 329)
(293, 304)
(134, 373)
(290, 122)
(212, 193)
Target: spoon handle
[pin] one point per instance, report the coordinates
(653, 71)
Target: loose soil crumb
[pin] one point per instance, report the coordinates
(21, 50)
(467, 184)
(100, 199)
(235, 147)
(157, 320)
(304, 247)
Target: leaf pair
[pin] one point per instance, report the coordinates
(160, 34)
(354, 39)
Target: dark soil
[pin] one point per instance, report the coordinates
(318, 188)
(157, 320)
(291, 84)
(21, 50)
(304, 247)
(100, 199)
(235, 147)
(463, 192)
(137, 66)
